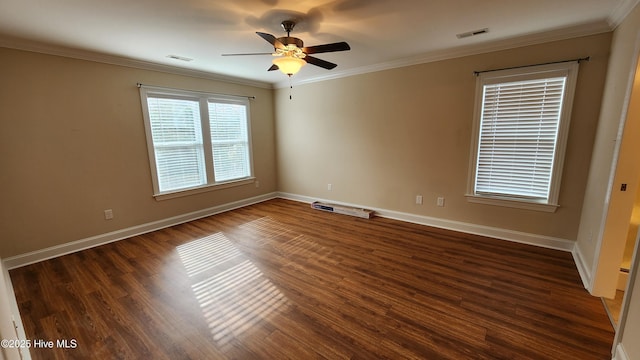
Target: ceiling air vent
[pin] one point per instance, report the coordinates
(472, 33)
(181, 58)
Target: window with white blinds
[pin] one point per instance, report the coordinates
(195, 140)
(522, 119)
(177, 143)
(229, 141)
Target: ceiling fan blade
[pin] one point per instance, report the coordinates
(271, 40)
(273, 67)
(339, 46)
(247, 54)
(319, 62)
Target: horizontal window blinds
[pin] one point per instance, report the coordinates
(197, 141)
(229, 141)
(518, 137)
(177, 142)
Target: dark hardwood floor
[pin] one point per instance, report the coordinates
(279, 280)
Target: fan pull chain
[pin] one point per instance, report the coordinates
(290, 87)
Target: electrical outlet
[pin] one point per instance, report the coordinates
(440, 201)
(419, 199)
(329, 187)
(108, 214)
(257, 183)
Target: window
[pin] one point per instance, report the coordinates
(196, 140)
(521, 125)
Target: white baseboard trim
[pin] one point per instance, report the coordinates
(583, 269)
(78, 245)
(620, 353)
(498, 233)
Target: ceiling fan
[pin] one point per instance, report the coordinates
(290, 53)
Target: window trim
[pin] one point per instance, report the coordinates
(203, 98)
(568, 70)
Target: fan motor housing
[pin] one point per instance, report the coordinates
(289, 40)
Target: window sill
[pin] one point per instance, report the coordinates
(512, 203)
(202, 189)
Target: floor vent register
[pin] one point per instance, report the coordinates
(342, 209)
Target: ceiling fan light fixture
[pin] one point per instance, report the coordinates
(290, 54)
(289, 65)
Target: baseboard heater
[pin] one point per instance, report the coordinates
(342, 209)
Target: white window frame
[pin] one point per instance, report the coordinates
(203, 99)
(569, 70)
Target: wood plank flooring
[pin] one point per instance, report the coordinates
(278, 280)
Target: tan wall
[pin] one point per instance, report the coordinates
(73, 144)
(597, 202)
(632, 233)
(619, 207)
(382, 138)
(620, 203)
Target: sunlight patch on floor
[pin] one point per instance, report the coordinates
(237, 299)
(204, 254)
(232, 291)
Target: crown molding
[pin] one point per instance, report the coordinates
(475, 49)
(620, 12)
(50, 49)
(610, 23)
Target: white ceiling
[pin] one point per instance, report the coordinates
(382, 33)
